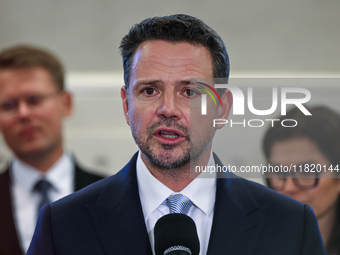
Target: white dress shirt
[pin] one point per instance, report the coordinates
(25, 200)
(201, 191)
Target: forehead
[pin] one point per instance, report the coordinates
(164, 57)
(25, 79)
(296, 151)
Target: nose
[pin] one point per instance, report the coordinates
(23, 109)
(290, 187)
(170, 106)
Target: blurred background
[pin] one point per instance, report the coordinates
(264, 39)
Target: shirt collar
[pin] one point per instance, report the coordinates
(151, 191)
(201, 191)
(27, 176)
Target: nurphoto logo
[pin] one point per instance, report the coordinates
(281, 97)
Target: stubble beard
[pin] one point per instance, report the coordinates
(166, 162)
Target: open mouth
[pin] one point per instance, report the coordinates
(169, 135)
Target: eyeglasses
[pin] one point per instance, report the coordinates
(277, 181)
(10, 108)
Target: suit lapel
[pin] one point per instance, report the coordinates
(9, 243)
(118, 217)
(238, 218)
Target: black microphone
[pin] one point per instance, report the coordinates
(176, 234)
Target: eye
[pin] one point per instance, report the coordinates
(9, 105)
(149, 91)
(190, 92)
(34, 100)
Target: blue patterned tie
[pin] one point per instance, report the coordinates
(178, 203)
(42, 186)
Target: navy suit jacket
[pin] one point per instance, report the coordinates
(107, 218)
(9, 242)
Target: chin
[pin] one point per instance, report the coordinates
(34, 151)
(166, 158)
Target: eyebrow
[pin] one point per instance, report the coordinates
(147, 82)
(155, 82)
(186, 82)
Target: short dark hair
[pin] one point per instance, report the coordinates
(323, 128)
(26, 56)
(175, 28)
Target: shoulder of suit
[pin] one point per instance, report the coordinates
(115, 184)
(4, 174)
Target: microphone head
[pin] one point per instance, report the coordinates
(176, 232)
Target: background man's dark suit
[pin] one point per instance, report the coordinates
(107, 218)
(9, 243)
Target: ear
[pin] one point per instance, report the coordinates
(125, 101)
(227, 102)
(67, 103)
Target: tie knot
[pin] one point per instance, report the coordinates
(178, 203)
(42, 186)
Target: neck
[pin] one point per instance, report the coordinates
(176, 179)
(326, 222)
(42, 161)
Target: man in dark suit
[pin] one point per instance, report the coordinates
(33, 103)
(117, 215)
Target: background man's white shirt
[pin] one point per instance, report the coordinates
(25, 201)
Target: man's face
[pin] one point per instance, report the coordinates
(33, 127)
(157, 103)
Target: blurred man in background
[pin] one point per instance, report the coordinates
(33, 105)
(313, 146)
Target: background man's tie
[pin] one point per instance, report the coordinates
(42, 187)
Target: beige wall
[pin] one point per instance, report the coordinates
(260, 35)
(263, 38)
